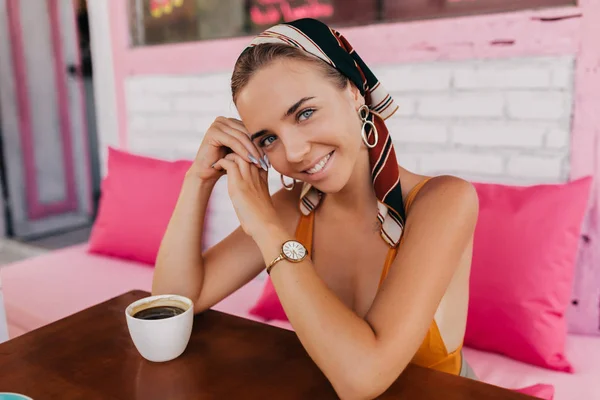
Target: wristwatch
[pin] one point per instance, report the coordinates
(292, 251)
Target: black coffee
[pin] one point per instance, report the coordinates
(160, 312)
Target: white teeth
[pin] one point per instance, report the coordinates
(319, 165)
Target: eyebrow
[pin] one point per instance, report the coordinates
(296, 106)
(289, 112)
(257, 134)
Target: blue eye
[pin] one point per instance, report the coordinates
(267, 140)
(306, 114)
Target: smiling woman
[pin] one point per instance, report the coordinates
(314, 139)
(370, 261)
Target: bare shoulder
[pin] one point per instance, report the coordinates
(447, 196)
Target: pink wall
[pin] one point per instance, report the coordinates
(558, 31)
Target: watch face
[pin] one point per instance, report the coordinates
(294, 250)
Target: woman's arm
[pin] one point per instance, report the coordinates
(181, 267)
(179, 263)
(207, 278)
(362, 358)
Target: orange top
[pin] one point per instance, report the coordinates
(432, 353)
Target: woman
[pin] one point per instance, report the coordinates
(385, 281)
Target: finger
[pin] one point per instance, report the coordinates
(264, 175)
(217, 167)
(261, 165)
(230, 167)
(244, 167)
(254, 173)
(259, 174)
(241, 134)
(238, 124)
(224, 138)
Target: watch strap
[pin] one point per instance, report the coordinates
(275, 261)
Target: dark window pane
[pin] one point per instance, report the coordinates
(168, 21)
(395, 10)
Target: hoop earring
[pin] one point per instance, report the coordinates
(286, 186)
(363, 113)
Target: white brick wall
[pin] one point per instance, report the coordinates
(457, 104)
(505, 121)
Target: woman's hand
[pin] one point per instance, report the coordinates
(225, 136)
(249, 192)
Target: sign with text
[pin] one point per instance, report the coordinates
(271, 12)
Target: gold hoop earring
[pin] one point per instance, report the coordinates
(286, 186)
(363, 113)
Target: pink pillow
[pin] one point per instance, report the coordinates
(526, 242)
(268, 306)
(138, 197)
(541, 391)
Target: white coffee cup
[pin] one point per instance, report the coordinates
(164, 339)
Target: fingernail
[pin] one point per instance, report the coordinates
(267, 161)
(253, 159)
(263, 165)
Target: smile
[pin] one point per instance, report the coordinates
(320, 165)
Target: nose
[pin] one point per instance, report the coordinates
(296, 147)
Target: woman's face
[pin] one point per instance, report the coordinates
(308, 127)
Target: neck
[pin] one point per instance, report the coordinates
(358, 196)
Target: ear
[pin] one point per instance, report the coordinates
(354, 95)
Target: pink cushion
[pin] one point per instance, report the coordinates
(541, 391)
(138, 197)
(582, 351)
(524, 252)
(268, 306)
(41, 290)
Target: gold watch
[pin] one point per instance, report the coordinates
(292, 250)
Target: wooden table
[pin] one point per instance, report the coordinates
(90, 355)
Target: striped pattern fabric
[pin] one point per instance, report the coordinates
(330, 46)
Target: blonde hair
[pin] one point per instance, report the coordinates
(254, 58)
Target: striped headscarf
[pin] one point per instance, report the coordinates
(330, 46)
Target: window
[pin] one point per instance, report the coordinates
(419, 9)
(168, 21)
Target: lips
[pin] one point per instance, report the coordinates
(319, 165)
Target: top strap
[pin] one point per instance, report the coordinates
(391, 256)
